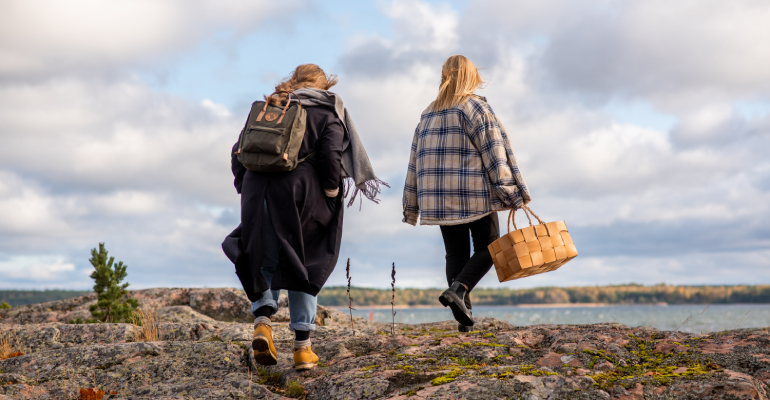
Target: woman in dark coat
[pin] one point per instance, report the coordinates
(291, 222)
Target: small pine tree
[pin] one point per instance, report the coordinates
(4, 305)
(111, 305)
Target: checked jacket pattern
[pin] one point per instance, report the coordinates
(461, 167)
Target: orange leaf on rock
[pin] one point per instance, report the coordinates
(91, 394)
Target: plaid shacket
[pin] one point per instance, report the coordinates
(461, 167)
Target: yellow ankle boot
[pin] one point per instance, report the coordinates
(264, 350)
(304, 359)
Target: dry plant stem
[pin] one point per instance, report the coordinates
(683, 323)
(393, 299)
(147, 318)
(741, 320)
(250, 378)
(7, 340)
(350, 299)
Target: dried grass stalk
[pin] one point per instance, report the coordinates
(393, 299)
(350, 299)
(147, 318)
(7, 343)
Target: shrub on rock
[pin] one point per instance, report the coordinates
(112, 304)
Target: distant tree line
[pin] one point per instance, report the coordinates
(22, 297)
(616, 294)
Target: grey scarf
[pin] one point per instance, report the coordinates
(356, 168)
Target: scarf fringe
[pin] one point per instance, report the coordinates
(369, 189)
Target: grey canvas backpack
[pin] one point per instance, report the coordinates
(272, 136)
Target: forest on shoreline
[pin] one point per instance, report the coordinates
(20, 297)
(615, 294)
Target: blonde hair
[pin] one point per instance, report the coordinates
(304, 76)
(459, 79)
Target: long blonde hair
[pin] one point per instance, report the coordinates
(459, 79)
(304, 76)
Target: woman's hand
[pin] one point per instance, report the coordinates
(332, 192)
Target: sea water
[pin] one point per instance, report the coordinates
(686, 318)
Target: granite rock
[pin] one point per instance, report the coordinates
(204, 353)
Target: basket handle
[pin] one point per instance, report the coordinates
(527, 211)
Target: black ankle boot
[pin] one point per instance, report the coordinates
(454, 298)
(463, 328)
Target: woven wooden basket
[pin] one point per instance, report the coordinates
(531, 250)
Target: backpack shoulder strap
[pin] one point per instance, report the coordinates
(288, 102)
(307, 157)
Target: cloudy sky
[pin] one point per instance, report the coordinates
(644, 125)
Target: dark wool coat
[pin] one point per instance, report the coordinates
(307, 222)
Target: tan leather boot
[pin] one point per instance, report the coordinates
(304, 359)
(264, 350)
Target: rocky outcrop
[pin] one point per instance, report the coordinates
(173, 305)
(204, 353)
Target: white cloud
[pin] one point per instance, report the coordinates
(38, 38)
(130, 203)
(27, 210)
(121, 136)
(218, 110)
(422, 26)
(714, 125)
(423, 34)
(43, 270)
(88, 159)
(679, 56)
(87, 162)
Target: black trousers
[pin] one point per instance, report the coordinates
(461, 266)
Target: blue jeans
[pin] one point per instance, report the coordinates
(302, 306)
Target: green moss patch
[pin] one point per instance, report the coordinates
(531, 370)
(448, 377)
(523, 370)
(648, 366)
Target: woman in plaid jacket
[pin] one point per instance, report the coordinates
(461, 172)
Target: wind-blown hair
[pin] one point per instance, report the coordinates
(304, 76)
(459, 79)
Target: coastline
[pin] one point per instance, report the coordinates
(529, 305)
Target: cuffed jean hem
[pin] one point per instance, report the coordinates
(269, 302)
(266, 300)
(301, 326)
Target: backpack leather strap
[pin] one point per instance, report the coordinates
(262, 113)
(288, 101)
